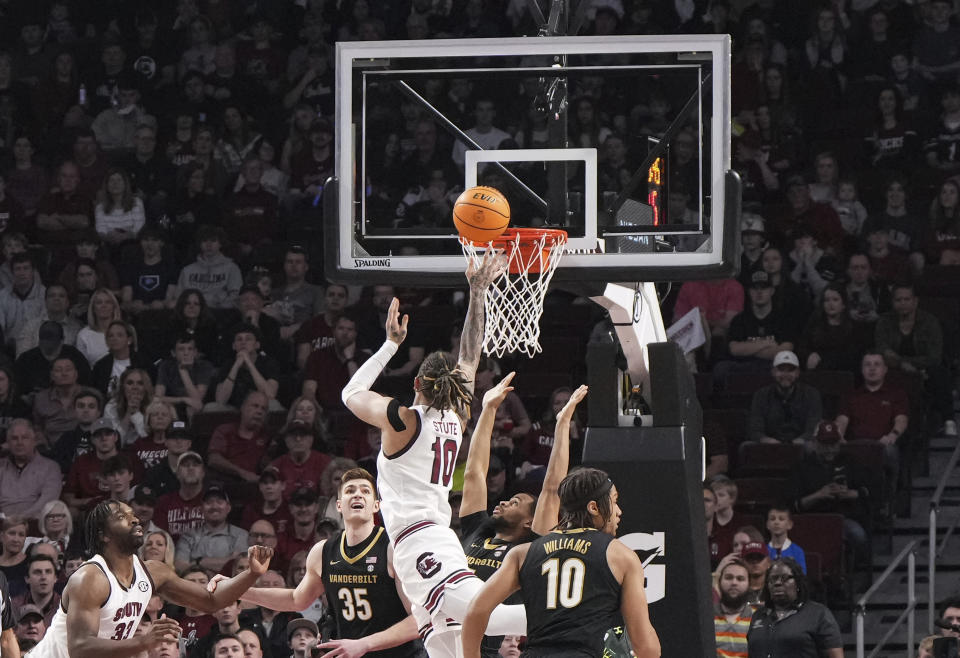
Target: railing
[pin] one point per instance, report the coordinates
(908, 613)
(935, 550)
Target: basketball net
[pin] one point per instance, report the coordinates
(514, 301)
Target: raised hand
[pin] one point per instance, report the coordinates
(396, 328)
(259, 559)
(498, 393)
(481, 275)
(575, 398)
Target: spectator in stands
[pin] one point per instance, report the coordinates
(237, 449)
(151, 174)
(182, 510)
(310, 167)
(92, 339)
(85, 486)
(184, 378)
(151, 449)
(732, 612)
(144, 504)
(161, 478)
(221, 634)
(940, 147)
(23, 302)
(270, 506)
(818, 218)
(757, 561)
(250, 371)
(934, 46)
(831, 340)
(30, 627)
(753, 239)
(64, 215)
(829, 481)
(27, 182)
(250, 303)
(943, 227)
(301, 535)
(216, 541)
(213, 274)
(719, 301)
(296, 301)
(56, 306)
(12, 405)
(888, 265)
(317, 333)
(88, 250)
(157, 545)
(893, 145)
(122, 345)
(192, 316)
(117, 476)
(779, 524)
(14, 242)
(302, 635)
(41, 578)
(28, 480)
(56, 526)
(904, 227)
(13, 560)
(194, 624)
(150, 281)
(950, 615)
(87, 408)
(126, 408)
(866, 298)
(53, 406)
(511, 424)
(329, 369)
(788, 410)
(788, 297)
(911, 340)
(538, 443)
(788, 623)
(192, 206)
(726, 520)
(250, 214)
(273, 622)
(757, 334)
(811, 267)
(116, 126)
(302, 464)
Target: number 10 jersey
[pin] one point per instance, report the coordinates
(414, 482)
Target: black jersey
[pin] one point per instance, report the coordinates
(570, 595)
(361, 593)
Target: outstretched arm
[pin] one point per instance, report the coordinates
(471, 338)
(547, 514)
(192, 595)
(292, 600)
(478, 458)
(504, 582)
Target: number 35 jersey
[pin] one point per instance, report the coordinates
(570, 595)
(120, 614)
(414, 482)
(360, 591)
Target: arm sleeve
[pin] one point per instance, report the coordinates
(366, 374)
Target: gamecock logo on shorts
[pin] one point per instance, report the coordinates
(427, 565)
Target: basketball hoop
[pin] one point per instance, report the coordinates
(514, 301)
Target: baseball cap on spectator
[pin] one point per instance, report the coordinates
(786, 358)
(144, 495)
(298, 428)
(28, 610)
(216, 491)
(753, 549)
(752, 224)
(827, 432)
(178, 430)
(50, 335)
(102, 425)
(189, 454)
(303, 496)
(271, 473)
(760, 279)
(297, 624)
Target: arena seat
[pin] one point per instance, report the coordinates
(822, 534)
(755, 495)
(768, 459)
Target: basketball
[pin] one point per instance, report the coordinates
(481, 214)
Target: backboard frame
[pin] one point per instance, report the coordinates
(343, 263)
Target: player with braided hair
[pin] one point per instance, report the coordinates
(577, 581)
(415, 468)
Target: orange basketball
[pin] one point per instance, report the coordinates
(481, 214)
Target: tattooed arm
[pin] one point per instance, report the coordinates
(471, 339)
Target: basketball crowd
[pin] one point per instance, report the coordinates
(168, 338)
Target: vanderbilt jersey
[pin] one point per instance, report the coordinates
(120, 614)
(414, 482)
(360, 591)
(570, 595)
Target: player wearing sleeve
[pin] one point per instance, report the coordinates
(576, 581)
(354, 569)
(104, 600)
(415, 467)
(523, 517)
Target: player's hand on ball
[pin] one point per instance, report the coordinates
(575, 398)
(259, 559)
(498, 393)
(212, 585)
(344, 648)
(396, 328)
(491, 266)
(163, 630)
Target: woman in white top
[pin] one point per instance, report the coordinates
(129, 404)
(119, 214)
(56, 526)
(92, 339)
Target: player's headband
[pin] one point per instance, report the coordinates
(596, 494)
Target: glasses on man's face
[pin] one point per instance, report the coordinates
(777, 580)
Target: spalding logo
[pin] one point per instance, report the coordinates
(427, 565)
(650, 548)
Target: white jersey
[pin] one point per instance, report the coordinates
(119, 615)
(414, 483)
